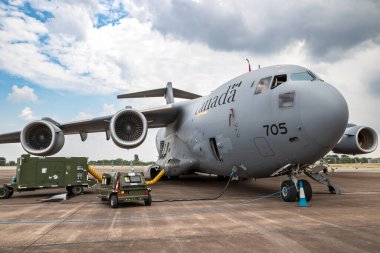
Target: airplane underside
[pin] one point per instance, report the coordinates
(290, 188)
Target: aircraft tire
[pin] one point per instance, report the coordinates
(4, 193)
(113, 201)
(306, 188)
(288, 191)
(222, 178)
(153, 173)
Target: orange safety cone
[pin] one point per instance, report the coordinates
(302, 202)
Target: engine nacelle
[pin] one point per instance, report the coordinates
(42, 138)
(128, 128)
(357, 140)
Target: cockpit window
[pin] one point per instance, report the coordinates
(304, 76)
(263, 85)
(277, 80)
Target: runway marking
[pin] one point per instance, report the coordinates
(157, 217)
(360, 193)
(151, 217)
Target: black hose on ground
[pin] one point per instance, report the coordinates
(201, 199)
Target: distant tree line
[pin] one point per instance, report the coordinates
(105, 162)
(349, 159)
(119, 162)
(3, 162)
(333, 159)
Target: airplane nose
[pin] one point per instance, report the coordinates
(324, 114)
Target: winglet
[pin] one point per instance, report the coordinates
(169, 93)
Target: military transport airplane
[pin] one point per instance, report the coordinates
(273, 121)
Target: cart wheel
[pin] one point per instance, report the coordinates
(4, 193)
(77, 190)
(148, 201)
(10, 192)
(113, 201)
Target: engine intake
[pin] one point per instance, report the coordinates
(357, 140)
(42, 138)
(128, 128)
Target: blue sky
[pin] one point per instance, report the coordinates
(69, 59)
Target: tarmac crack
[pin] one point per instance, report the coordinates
(53, 227)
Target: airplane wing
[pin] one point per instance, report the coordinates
(13, 137)
(156, 117)
(169, 93)
(160, 93)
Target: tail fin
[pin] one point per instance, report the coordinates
(169, 93)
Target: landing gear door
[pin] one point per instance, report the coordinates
(263, 147)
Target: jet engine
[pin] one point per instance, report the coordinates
(42, 138)
(357, 140)
(128, 128)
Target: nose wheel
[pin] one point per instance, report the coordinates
(290, 192)
(306, 188)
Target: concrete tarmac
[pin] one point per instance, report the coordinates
(249, 217)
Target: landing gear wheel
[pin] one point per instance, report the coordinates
(4, 193)
(69, 190)
(148, 201)
(306, 188)
(222, 178)
(288, 191)
(77, 190)
(113, 201)
(332, 190)
(153, 173)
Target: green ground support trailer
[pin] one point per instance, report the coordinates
(122, 187)
(34, 173)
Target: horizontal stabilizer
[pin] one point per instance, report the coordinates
(163, 92)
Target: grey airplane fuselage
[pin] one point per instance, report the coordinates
(296, 122)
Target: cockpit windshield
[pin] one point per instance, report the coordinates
(304, 76)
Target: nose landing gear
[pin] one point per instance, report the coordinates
(290, 191)
(290, 188)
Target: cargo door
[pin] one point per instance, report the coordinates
(50, 174)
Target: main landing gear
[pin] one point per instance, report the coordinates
(290, 190)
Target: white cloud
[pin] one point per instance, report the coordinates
(27, 114)
(132, 55)
(24, 94)
(83, 116)
(108, 109)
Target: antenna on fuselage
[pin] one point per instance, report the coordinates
(249, 65)
(258, 66)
